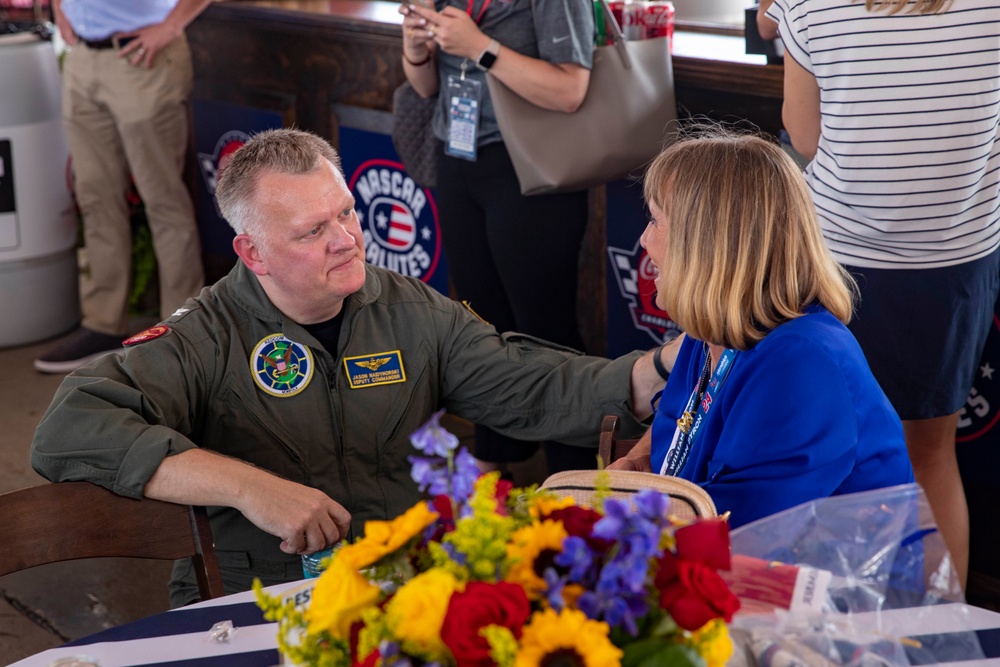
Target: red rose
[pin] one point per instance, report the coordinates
(371, 658)
(579, 522)
(705, 541)
(695, 594)
(504, 487)
(479, 605)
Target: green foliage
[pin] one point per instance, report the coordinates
(143, 265)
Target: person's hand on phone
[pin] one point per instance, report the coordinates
(418, 38)
(452, 29)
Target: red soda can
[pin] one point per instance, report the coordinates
(658, 18)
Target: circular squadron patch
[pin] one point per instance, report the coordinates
(281, 367)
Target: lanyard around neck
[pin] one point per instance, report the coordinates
(482, 10)
(694, 413)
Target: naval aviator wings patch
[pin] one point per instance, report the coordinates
(372, 370)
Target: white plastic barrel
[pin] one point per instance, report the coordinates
(39, 294)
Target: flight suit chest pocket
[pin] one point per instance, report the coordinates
(388, 386)
(270, 431)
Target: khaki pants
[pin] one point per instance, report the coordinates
(119, 120)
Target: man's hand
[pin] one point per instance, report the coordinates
(65, 29)
(305, 519)
(149, 41)
(646, 381)
(141, 52)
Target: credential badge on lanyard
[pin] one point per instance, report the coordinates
(464, 96)
(464, 102)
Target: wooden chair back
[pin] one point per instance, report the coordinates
(610, 446)
(73, 520)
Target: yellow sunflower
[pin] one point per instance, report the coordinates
(544, 504)
(384, 537)
(530, 550)
(566, 638)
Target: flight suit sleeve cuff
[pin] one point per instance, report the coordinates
(144, 457)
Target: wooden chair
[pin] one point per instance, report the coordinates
(72, 520)
(610, 446)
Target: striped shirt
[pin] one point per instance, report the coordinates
(907, 173)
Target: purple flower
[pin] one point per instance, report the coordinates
(466, 473)
(619, 596)
(652, 505)
(432, 439)
(554, 588)
(577, 556)
(430, 474)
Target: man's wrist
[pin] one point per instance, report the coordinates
(661, 370)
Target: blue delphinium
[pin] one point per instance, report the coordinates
(619, 597)
(433, 439)
(445, 469)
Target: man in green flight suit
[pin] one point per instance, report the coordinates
(283, 396)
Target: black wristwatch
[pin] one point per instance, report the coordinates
(488, 56)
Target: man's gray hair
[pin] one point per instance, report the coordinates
(284, 151)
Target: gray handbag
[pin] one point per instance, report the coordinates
(625, 120)
(412, 136)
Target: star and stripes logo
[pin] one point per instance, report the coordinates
(399, 219)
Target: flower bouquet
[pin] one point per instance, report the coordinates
(487, 575)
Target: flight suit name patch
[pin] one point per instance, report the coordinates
(281, 367)
(372, 370)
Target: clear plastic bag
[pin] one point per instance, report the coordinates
(871, 584)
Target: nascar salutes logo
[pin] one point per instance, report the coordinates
(635, 274)
(212, 165)
(982, 408)
(281, 367)
(398, 219)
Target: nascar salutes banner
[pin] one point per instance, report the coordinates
(635, 322)
(399, 219)
(219, 129)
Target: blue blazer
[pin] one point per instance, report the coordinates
(799, 417)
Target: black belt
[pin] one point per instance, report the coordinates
(109, 43)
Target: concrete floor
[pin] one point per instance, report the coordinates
(47, 606)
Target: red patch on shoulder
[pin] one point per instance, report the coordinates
(148, 334)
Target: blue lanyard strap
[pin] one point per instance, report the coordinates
(694, 413)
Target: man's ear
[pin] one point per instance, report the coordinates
(248, 251)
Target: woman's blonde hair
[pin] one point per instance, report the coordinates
(910, 6)
(744, 250)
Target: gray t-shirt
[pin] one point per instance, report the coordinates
(561, 31)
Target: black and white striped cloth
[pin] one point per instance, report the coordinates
(907, 174)
(178, 638)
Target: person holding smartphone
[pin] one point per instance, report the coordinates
(514, 258)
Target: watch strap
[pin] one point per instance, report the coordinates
(488, 56)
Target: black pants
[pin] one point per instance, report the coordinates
(515, 259)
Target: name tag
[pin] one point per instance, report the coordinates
(372, 370)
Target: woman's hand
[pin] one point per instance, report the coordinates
(638, 458)
(418, 51)
(453, 30)
(418, 40)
